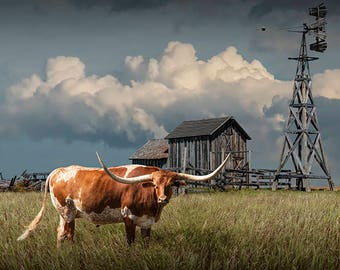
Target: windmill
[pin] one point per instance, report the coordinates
(302, 139)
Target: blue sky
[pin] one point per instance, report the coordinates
(80, 76)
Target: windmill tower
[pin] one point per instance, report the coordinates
(302, 139)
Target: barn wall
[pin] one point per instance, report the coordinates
(196, 150)
(221, 144)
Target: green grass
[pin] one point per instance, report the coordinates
(235, 230)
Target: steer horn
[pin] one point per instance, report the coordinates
(132, 180)
(207, 177)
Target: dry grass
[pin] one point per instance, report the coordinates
(234, 230)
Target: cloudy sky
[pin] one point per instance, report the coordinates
(78, 76)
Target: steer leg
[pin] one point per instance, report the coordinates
(65, 231)
(146, 235)
(130, 229)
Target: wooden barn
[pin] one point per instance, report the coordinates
(153, 153)
(200, 146)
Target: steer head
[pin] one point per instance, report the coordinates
(162, 180)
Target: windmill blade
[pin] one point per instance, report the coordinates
(319, 11)
(320, 23)
(318, 46)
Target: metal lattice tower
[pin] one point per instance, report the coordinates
(302, 139)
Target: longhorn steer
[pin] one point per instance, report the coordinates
(132, 194)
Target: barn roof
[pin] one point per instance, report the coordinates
(153, 149)
(204, 127)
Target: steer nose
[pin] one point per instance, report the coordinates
(163, 200)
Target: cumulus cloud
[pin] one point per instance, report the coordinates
(326, 84)
(72, 106)
(134, 62)
(68, 104)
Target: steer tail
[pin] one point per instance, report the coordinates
(35, 222)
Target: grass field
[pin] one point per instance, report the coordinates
(234, 230)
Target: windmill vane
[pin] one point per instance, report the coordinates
(318, 28)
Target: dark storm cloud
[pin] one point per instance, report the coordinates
(255, 10)
(120, 5)
(279, 106)
(266, 7)
(328, 114)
